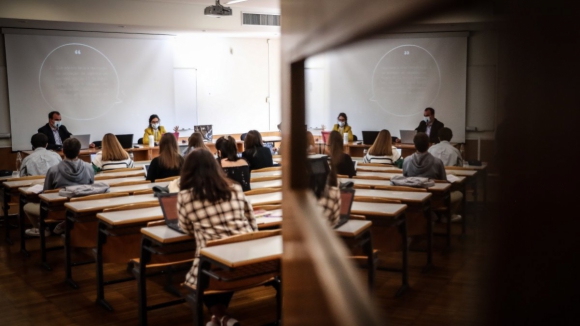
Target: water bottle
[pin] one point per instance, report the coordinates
(151, 141)
(18, 164)
(345, 136)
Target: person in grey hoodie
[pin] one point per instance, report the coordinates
(422, 163)
(71, 171)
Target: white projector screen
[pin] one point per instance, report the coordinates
(387, 83)
(99, 83)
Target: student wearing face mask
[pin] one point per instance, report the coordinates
(343, 127)
(55, 131)
(155, 129)
(430, 125)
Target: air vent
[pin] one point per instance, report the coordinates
(260, 19)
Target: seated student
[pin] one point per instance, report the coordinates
(155, 129)
(324, 184)
(195, 141)
(341, 161)
(235, 168)
(41, 159)
(383, 151)
(310, 144)
(445, 151)
(255, 153)
(423, 164)
(343, 127)
(211, 207)
(112, 155)
(168, 163)
(71, 171)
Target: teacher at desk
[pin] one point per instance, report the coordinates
(155, 129)
(430, 125)
(342, 126)
(55, 131)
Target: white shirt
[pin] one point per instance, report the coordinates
(384, 159)
(446, 153)
(39, 162)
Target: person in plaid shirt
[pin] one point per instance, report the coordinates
(211, 207)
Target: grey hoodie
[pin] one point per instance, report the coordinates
(69, 173)
(424, 165)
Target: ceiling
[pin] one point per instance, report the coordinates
(256, 4)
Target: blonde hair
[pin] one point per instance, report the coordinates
(310, 143)
(383, 145)
(112, 149)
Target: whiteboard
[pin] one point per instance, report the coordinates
(185, 88)
(481, 97)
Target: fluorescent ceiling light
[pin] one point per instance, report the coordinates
(234, 1)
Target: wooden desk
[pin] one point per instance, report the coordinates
(123, 174)
(244, 253)
(265, 174)
(387, 215)
(265, 199)
(85, 212)
(266, 184)
(357, 234)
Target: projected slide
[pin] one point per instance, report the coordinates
(100, 83)
(79, 81)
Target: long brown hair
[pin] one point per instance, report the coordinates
(252, 142)
(383, 145)
(169, 156)
(228, 149)
(311, 145)
(112, 149)
(196, 141)
(206, 179)
(335, 147)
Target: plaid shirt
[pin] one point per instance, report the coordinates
(330, 203)
(207, 221)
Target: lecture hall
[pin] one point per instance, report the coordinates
(296, 162)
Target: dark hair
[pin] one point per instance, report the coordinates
(320, 175)
(153, 116)
(39, 140)
(431, 110)
(219, 143)
(445, 134)
(71, 148)
(206, 179)
(169, 156)
(229, 149)
(53, 113)
(421, 141)
(342, 114)
(252, 142)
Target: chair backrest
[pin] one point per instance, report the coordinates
(131, 206)
(143, 191)
(130, 183)
(271, 168)
(30, 177)
(401, 188)
(370, 177)
(346, 199)
(270, 178)
(123, 170)
(261, 191)
(376, 200)
(268, 207)
(244, 237)
(168, 179)
(100, 196)
(372, 164)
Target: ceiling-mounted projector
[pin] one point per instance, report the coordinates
(218, 10)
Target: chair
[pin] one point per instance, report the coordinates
(271, 168)
(130, 183)
(270, 178)
(372, 164)
(30, 177)
(140, 141)
(245, 277)
(243, 136)
(376, 200)
(100, 196)
(400, 188)
(122, 170)
(370, 177)
(261, 191)
(168, 179)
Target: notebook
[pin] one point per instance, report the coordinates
(85, 140)
(407, 136)
(369, 137)
(168, 203)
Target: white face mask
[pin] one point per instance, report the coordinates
(57, 124)
(426, 119)
(154, 125)
(341, 123)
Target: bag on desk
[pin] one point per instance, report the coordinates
(84, 190)
(416, 182)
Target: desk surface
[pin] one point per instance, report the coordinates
(29, 182)
(352, 228)
(265, 174)
(110, 175)
(134, 216)
(100, 204)
(438, 187)
(266, 184)
(246, 252)
(265, 199)
(165, 235)
(386, 175)
(55, 197)
(377, 209)
(403, 196)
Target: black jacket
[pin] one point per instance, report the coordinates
(260, 158)
(435, 127)
(62, 131)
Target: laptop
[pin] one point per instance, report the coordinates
(346, 199)
(407, 136)
(325, 135)
(126, 141)
(85, 140)
(369, 137)
(206, 132)
(168, 203)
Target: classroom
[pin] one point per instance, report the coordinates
(146, 79)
